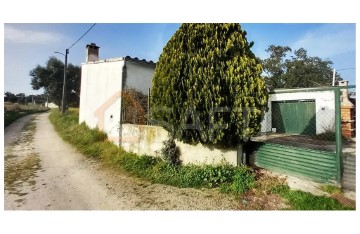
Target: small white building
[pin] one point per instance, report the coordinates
(51, 105)
(102, 84)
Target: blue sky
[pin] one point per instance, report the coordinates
(27, 45)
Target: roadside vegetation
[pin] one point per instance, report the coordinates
(300, 200)
(240, 181)
(14, 111)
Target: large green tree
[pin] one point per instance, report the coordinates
(207, 85)
(51, 77)
(284, 70)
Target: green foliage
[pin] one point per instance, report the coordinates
(207, 85)
(242, 180)
(300, 200)
(300, 71)
(51, 78)
(171, 152)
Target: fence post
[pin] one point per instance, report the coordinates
(338, 133)
(148, 107)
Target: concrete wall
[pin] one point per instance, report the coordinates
(148, 140)
(324, 104)
(101, 83)
(139, 75)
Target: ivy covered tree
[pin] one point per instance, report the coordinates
(207, 85)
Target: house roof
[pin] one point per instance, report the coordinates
(136, 59)
(126, 59)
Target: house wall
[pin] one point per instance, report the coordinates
(101, 83)
(325, 108)
(139, 76)
(148, 140)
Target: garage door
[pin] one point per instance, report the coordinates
(294, 117)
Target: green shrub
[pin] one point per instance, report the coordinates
(242, 180)
(171, 152)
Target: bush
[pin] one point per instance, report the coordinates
(171, 152)
(243, 179)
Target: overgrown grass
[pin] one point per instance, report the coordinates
(16, 111)
(229, 179)
(331, 189)
(93, 143)
(299, 200)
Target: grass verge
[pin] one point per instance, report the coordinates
(298, 200)
(230, 179)
(22, 110)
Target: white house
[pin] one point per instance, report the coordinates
(102, 84)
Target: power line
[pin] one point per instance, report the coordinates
(346, 69)
(82, 36)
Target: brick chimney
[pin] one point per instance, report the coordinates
(92, 52)
(347, 112)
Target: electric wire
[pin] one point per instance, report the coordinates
(82, 36)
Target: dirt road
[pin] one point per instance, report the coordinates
(42, 172)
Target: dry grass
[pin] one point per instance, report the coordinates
(21, 163)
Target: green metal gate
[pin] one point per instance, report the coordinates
(317, 165)
(294, 117)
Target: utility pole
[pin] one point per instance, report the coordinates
(64, 84)
(63, 100)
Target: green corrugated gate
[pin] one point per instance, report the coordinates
(295, 117)
(317, 165)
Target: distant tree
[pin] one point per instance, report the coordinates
(298, 71)
(207, 85)
(51, 77)
(10, 97)
(274, 66)
(21, 98)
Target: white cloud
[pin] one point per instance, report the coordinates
(20, 36)
(328, 41)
